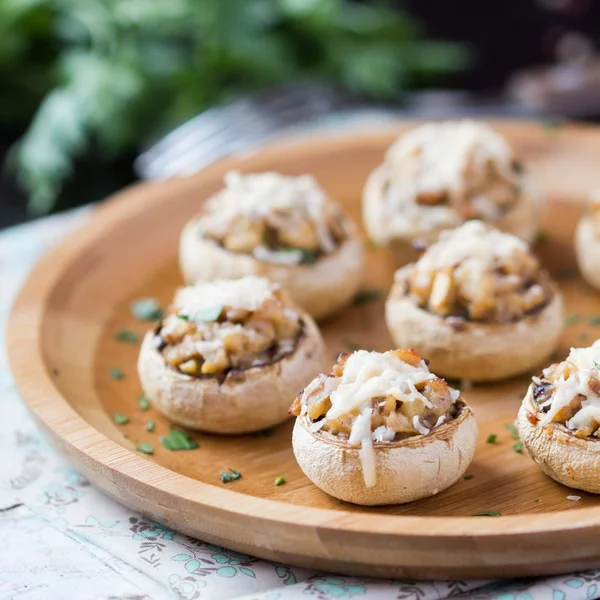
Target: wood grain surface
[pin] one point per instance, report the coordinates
(62, 346)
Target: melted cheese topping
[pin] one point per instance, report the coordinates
(479, 273)
(574, 397)
(247, 293)
(442, 173)
(295, 206)
(371, 380)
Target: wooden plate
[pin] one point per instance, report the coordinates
(61, 344)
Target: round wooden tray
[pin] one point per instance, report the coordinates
(61, 345)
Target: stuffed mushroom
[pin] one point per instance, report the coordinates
(477, 304)
(439, 175)
(559, 419)
(229, 356)
(280, 227)
(587, 243)
(382, 429)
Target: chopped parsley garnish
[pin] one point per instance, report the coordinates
(120, 419)
(518, 447)
(565, 273)
(150, 426)
(178, 440)
(572, 319)
(279, 481)
(594, 320)
(231, 476)
(513, 431)
(145, 447)
(537, 500)
(365, 296)
(309, 257)
(597, 365)
(487, 513)
(491, 438)
(206, 315)
(541, 238)
(143, 402)
(146, 309)
(468, 477)
(115, 373)
(126, 335)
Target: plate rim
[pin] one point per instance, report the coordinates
(54, 413)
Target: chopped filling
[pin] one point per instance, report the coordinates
(373, 397)
(212, 328)
(477, 273)
(276, 218)
(569, 392)
(441, 174)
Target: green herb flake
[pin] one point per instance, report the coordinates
(126, 335)
(537, 500)
(146, 309)
(145, 447)
(366, 296)
(565, 273)
(487, 513)
(352, 346)
(143, 402)
(594, 320)
(491, 438)
(518, 447)
(513, 431)
(541, 238)
(115, 373)
(468, 477)
(584, 336)
(120, 419)
(178, 440)
(150, 425)
(572, 319)
(206, 315)
(279, 481)
(597, 365)
(309, 257)
(231, 476)
(371, 245)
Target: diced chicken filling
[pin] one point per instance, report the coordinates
(215, 327)
(569, 392)
(478, 273)
(277, 219)
(395, 389)
(441, 174)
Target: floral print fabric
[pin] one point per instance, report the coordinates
(62, 538)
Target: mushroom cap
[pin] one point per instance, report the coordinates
(475, 351)
(521, 219)
(587, 250)
(246, 401)
(414, 468)
(572, 461)
(321, 288)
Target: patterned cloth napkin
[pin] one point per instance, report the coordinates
(60, 538)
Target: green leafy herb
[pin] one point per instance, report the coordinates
(594, 320)
(468, 477)
(537, 500)
(584, 336)
(143, 402)
(150, 425)
(206, 315)
(352, 346)
(146, 309)
(126, 335)
(309, 257)
(572, 319)
(120, 419)
(491, 438)
(279, 481)
(178, 440)
(366, 296)
(371, 245)
(514, 433)
(518, 447)
(115, 373)
(231, 476)
(541, 238)
(565, 273)
(487, 513)
(145, 447)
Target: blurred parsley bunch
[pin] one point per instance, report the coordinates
(113, 74)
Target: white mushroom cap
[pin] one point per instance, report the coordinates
(414, 468)
(587, 250)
